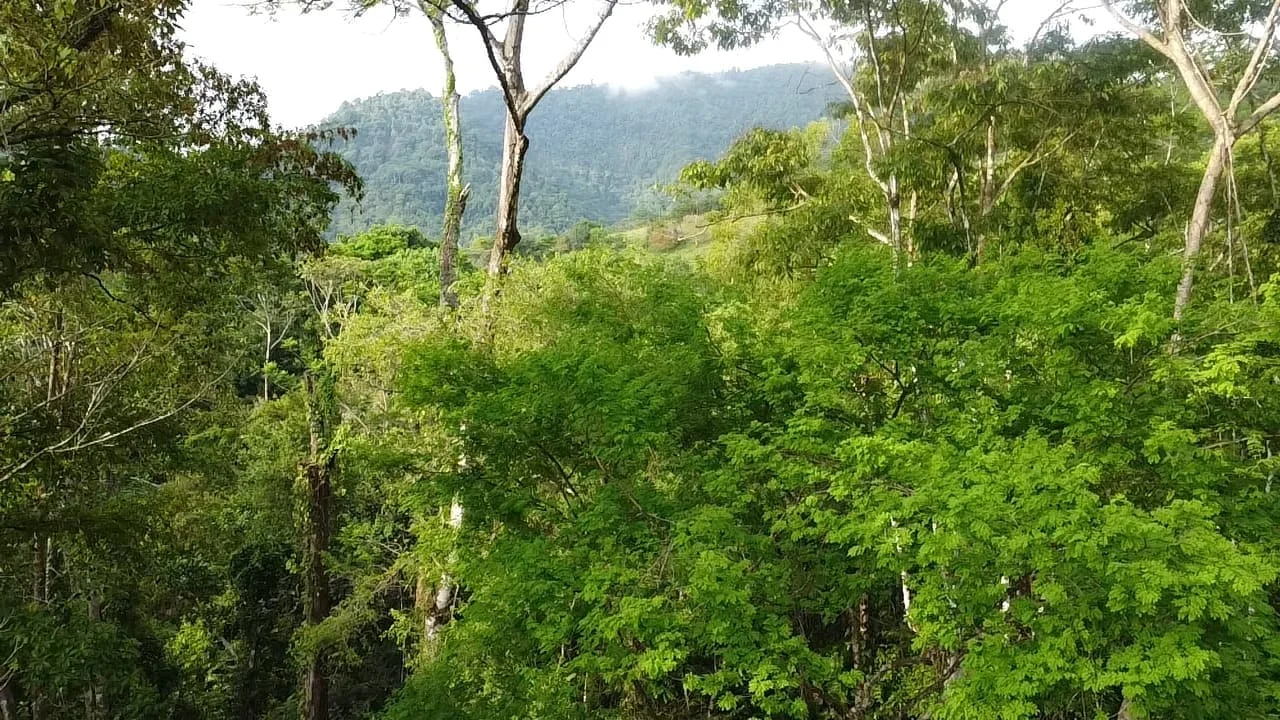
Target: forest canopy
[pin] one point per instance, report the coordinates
(956, 403)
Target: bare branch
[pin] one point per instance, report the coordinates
(876, 234)
(1259, 115)
(1161, 46)
(869, 154)
(1253, 71)
(1034, 157)
(1065, 9)
(489, 41)
(571, 59)
(66, 444)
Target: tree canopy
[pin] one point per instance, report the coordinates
(886, 414)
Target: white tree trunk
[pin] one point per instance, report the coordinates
(456, 193)
(1198, 228)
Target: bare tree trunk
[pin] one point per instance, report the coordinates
(987, 195)
(318, 471)
(40, 569)
(455, 203)
(514, 146)
(435, 602)
(1224, 120)
(1126, 710)
(1200, 214)
(506, 60)
(42, 545)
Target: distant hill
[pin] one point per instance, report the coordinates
(595, 153)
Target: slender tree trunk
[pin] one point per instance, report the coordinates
(987, 196)
(434, 600)
(913, 252)
(515, 145)
(893, 200)
(42, 545)
(40, 595)
(455, 202)
(8, 705)
(94, 704)
(1200, 214)
(266, 364)
(40, 569)
(507, 63)
(318, 471)
(1126, 709)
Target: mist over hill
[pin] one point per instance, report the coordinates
(595, 152)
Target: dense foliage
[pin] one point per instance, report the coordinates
(596, 153)
(910, 432)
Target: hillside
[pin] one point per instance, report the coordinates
(595, 153)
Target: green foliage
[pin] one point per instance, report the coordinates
(120, 154)
(782, 469)
(773, 165)
(379, 242)
(698, 531)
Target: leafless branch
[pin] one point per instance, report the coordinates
(571, 59)
(1257, 61)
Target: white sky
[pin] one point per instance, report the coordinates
(309, 64)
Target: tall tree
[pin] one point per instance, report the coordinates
(317, 477)
(80, 75)
(880, 53)
(1177, 30)
(506, 58)
(456, 193)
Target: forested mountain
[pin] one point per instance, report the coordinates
(958, 406)
(595, 153)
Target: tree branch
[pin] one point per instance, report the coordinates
(96, 25)
(572, 58)
(1033, 158)
(1160, 46)
(1259, 115)
(1253, 71)
(807, 27)
(489, 41)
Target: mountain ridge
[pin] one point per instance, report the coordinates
(595, 153)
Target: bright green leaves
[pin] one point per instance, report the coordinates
(770, 163)
(380, 242)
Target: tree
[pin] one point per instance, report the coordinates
(456, 193)
(506, 60)
(83, 81)
(1249, 34)
(881, 55)
(317, 472)
(137, 188)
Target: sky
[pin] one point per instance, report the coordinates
(308, 65)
